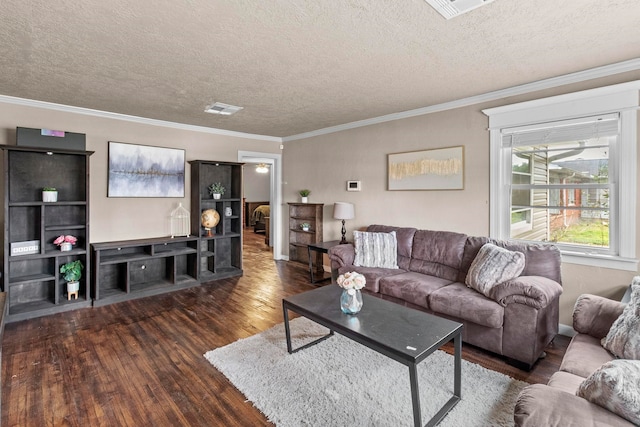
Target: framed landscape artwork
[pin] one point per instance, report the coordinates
(145, 171)
(437, 169)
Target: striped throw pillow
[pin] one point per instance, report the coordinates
(375, 249)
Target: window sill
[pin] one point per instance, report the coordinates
(598, 260)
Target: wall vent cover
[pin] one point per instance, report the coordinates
(452, 8)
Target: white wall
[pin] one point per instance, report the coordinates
(128, 218)
(256, 185)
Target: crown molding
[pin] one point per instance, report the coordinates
(577, 77)
(134, 119)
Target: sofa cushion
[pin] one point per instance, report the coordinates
(623, 339)
(372, 275)
(616, 387)
(493, 265)
(404, 239)
(539, 405)
(565, 381)
(584, 355)
(411, 287)
(459, 301)
(594, 315)
(375, 249)
(437, 253)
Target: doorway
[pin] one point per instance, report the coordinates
(273, 163)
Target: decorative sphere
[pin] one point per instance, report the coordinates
(210, 218)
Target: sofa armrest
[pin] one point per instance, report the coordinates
(534, 291)
(342, 255)
(594, 315)
(541, 405)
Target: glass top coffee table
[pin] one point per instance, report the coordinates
(403, 334)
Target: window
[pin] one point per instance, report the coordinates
(565, 172)
(560, 183)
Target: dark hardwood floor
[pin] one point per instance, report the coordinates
(140, 363)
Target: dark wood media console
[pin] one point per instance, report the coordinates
(130, 269)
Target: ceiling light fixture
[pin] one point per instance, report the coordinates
(262, 168)
(222, 109)
(452, 8)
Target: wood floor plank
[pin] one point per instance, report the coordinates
(141, 362)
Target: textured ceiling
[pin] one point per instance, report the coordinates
(296, 65)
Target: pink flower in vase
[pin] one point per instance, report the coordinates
(65, 239)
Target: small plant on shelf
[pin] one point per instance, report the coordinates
(305, 226)
(49, 194)
(72, 271)
(304, 194)
(216, 189)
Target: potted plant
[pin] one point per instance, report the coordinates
(305, 195)
(65, 242)
(72, 272)
(49, 194)
(216, 189)
(305, 226)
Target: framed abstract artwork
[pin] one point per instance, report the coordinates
(145, 171)
(437, 169)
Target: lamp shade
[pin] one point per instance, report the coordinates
(343, 210)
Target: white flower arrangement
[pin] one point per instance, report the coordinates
(351, 280)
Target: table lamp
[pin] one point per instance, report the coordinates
(343, 211)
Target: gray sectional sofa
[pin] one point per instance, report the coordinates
(556, 403)
(518, 319)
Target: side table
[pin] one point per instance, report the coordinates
(320, 248)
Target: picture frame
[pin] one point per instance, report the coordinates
(433, 169)
(145, 171)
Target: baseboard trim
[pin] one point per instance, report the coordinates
(566, 330)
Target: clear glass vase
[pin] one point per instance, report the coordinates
(351, 301)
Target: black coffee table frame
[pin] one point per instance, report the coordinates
(387, 328)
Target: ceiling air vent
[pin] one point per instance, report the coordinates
(223, 109)
(452, 8)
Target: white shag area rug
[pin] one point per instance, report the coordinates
(339, 382)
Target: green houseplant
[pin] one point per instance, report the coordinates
(305, 226)
(49, 194)
(72, 272)
(216, 189)
(304, 194)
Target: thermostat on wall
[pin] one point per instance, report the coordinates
(353, 185)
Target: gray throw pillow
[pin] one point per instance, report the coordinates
(623, 339)
(493, 265)
(616, 387)
(375, 249)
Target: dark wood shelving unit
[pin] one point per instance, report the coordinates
(129, 269)
(33, 282)
(299, 239)
(221, 252)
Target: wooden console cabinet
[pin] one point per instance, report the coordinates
(130, 269)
